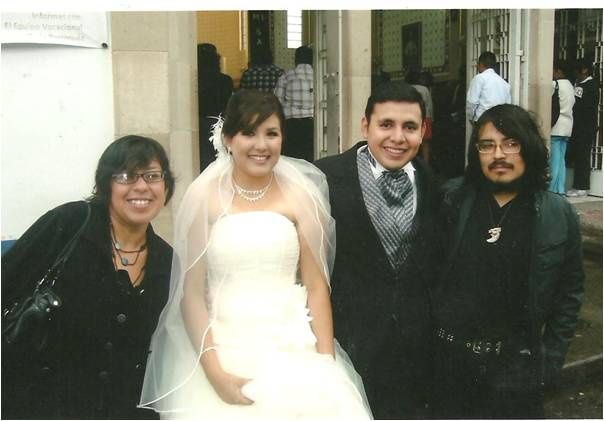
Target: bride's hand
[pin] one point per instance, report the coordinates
(228, 387)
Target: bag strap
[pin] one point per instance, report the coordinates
(63, 256)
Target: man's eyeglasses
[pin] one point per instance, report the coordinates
(508, 147)
(131, 178)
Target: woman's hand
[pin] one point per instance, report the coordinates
(228, 387)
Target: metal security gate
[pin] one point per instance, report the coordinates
(499, 31)
(579, 35)
(328, 80)
(502, 32)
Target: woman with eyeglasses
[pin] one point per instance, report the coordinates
(112, 290)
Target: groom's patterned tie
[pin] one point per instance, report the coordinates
(397, 189)
(389, 201)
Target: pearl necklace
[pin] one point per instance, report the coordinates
(252, 195)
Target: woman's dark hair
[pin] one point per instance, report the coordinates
(129, 153)
(248, 108)
(518, 124)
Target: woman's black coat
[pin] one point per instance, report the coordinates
(94, 363)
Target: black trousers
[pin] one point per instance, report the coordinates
(472, 386)
(582, 159)
(299, 138)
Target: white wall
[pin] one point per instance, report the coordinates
(56, 119)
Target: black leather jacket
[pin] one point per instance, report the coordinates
(556, 275)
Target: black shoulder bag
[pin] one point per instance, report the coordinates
(25, 321)
(555, 104)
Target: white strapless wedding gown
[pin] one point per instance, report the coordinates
(262, 330)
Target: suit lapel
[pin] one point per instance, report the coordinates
(352, 200)
(418, 254)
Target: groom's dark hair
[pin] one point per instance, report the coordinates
(394, 91)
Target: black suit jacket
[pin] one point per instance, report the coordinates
(381, 317)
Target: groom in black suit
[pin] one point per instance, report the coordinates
(383, 200)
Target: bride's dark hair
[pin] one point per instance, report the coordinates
(248, 108)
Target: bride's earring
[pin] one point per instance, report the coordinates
(229, 150)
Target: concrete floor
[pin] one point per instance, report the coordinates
(581, 400)
(580, 393)
(588, 337)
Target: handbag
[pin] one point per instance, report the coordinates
(555, 104)
(25, 321)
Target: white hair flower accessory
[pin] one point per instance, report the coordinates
(217, 139)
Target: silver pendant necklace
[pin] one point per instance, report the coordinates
(495, 232)
(252, 195)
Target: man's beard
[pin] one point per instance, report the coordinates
(514, 186)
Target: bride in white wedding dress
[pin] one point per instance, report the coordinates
(247, 332)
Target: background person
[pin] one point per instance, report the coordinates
(296, 93)
(585, 125)
(420, 81)
(562, 128)
(262, 74)
(487, 88)
(248, 331)
(214, 90)
(113, 288)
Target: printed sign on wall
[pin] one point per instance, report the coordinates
(78, 29)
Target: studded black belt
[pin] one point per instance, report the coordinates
(477, 346)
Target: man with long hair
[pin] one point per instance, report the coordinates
(506, 306)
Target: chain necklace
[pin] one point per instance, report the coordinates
(252, 195)
(138, 279)
(495, 232)
(117, 250)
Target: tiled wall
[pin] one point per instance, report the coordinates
(433, 36)
(284, 57)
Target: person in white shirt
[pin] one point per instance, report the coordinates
(487, 88)
(562, 128)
